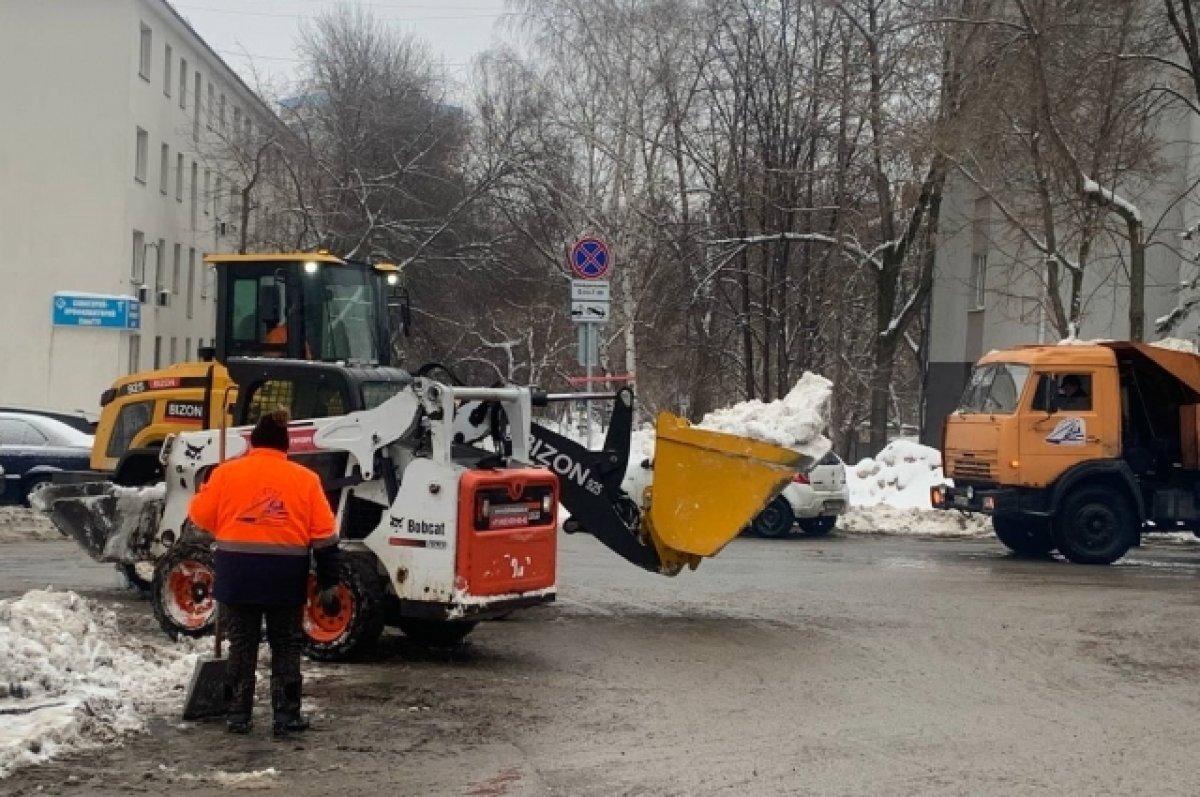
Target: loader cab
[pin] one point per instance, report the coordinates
(305, 306)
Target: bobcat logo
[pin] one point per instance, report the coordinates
(1068, 432)
(193, 452)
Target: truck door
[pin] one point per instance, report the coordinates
(1072, 417)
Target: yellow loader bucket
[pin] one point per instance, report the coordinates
(708, 486)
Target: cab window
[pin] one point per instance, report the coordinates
(259, 313)
(1066, 392)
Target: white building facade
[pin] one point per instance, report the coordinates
(989, 283)
(112, 189)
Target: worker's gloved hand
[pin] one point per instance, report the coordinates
(329, 601)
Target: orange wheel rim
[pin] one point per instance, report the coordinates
(189, 594)
(322, 627)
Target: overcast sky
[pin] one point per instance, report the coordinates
(264, 32)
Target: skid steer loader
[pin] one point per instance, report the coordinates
(437, 533)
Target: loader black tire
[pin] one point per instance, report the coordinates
(1095, 526)
(136, 580)
(776, 520)
(181, 595)
(436, 633)
(1026, 537)
(358, 624)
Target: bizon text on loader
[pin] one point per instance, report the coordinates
(1077, 448)
(438, 534)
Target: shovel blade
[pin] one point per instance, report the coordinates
(208, 693)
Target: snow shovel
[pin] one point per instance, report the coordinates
(208, 693)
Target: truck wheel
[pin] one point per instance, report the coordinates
(776, 520)
(359, 619)
(1023, 536)
(817, 526)
(182, 593)
(436, 633)
(1095, 526)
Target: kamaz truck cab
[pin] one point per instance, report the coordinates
(1077, 448)
(293, 306)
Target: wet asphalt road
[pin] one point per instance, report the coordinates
(852, 665)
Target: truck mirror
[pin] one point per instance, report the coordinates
(1051, 396)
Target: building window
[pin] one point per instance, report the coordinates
(195, 187)
(237, 122)
(173, 352)
(207, 185)
(168, 58)
(212, 105)
(221, 113)
(175, 266)
(135, 353)
(160, 259)
(182, 82)
(978, 284)
(204, 281)
(138, 266)
(191, 285)
(179, 177)
(216, 198)
(157, 351)
(196, 117)
(187, 349)
(147, 42)
(164, 168)
(143, 154)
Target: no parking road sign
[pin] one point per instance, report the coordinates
(590, 259)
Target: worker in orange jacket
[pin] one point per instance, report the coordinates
(267, 514)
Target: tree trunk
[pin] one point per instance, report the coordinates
(884, 356)
(1137, 281)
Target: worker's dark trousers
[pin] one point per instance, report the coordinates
(285, 634)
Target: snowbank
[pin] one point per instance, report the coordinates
(890, 495)
(884, 519)
(69, 679)
(18, 523)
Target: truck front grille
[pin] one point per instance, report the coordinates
(970, 469)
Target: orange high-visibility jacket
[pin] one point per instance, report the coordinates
(266, 514)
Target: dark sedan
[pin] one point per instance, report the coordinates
(32, 448)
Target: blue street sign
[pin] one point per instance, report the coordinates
(94, 310)
(590, 259)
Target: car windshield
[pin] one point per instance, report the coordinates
(994, 388)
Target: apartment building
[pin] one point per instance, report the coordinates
(990, 284)
(115, 180)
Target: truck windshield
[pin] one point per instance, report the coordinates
(994, 388)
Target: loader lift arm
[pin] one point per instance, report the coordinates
(590, 484)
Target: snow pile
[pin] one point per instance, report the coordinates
(1176, 344)
(19, 523)
(797, 421)
(69, 679)
(890, 494)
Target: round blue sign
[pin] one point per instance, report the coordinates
(590, 259)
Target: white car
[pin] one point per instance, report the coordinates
(813, 500)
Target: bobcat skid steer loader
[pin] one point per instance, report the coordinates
(438, 534)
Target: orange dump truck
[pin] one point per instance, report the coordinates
(1077, 448)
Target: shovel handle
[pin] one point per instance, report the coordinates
(218, 631)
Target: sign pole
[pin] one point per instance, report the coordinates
(590, 335)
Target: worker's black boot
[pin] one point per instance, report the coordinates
(241, 703)
(285, 699)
